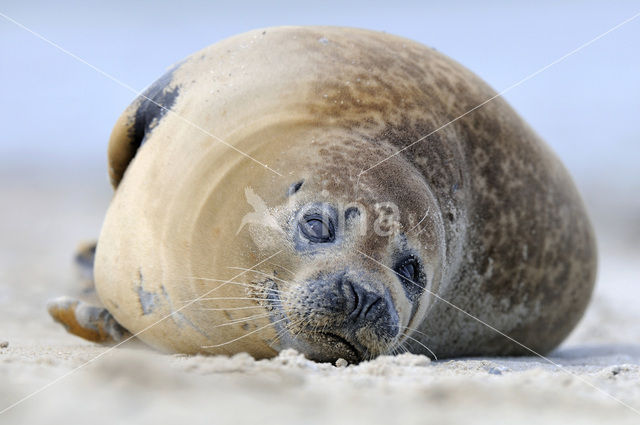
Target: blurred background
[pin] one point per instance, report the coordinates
(56, 113)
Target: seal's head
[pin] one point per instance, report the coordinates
(362, 252)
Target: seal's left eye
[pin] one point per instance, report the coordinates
(317, 229)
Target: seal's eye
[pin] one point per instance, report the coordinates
(411, 275)
(317, 229)
(409, 270)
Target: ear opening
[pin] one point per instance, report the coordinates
(294, 187)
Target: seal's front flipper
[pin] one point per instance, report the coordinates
(87, 321)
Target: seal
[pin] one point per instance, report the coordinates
(327, 189)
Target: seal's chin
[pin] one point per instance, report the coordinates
(327, 346)
(333, 347)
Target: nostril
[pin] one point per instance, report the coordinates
(367, 309)
(355, 306)
(364, 302)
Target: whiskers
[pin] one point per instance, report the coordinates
(228, 282)
(289, 327)
(398, 349)
(265, 295)
(223, 298)
(245, 335)
(262, 274)
(407, 335)
(242, 320)
(245, 307)
(283, 268)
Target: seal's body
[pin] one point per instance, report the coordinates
(254, 186)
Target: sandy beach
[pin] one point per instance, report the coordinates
(592, 378)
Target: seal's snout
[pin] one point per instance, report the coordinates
(342, 315)
(354, 307)
(369, 309)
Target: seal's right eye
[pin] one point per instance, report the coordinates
(410, 273)
(408, 270)
(317, 229)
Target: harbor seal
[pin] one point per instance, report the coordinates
(327, 189)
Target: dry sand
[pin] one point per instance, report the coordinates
(44, 215)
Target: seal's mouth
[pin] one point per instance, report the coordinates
(341, 345)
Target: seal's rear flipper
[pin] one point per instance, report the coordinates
(87, 321)
(85, 316)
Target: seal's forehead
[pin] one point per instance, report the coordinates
(331, 169)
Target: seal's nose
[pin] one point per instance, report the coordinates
(345, 315)
(365, 305)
